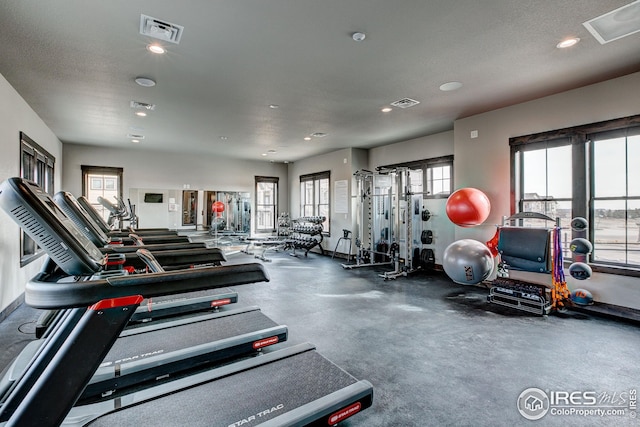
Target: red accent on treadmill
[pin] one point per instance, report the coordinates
(220, 302)
(344, 413)
(129, 269)
(265, 342)
(116, 302)
(111, 261)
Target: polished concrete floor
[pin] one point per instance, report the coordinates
(436, 353)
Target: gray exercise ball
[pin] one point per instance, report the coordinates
(467, 261)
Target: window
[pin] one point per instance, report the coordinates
(439, 179)
(315, 197)
(435, 174)
(616, 199)
(266, 203)
(101, 181)
(585, 171)
(37, 165)
(545, 184)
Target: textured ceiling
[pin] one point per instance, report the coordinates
(75, 62)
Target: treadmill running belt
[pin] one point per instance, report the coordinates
(253, 396)
(170, 339)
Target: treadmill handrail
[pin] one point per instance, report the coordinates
(45, 294)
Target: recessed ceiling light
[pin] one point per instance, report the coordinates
(449, 86)
(156, 48)
(135, 141)
(307, 138)
(274, 106)
(286, 162)
(145, 81)
(358, 36)
(568, 42)
(387, 109)
(141, 114)
(224, 138)
(264, 154)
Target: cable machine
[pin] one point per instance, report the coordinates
(385, 215)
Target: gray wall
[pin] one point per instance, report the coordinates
(17, 116)
(169, 173)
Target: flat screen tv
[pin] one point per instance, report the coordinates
(153, 197)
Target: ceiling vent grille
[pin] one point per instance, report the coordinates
(405, 103)
(142, 106)
(318, 135)
(160, 30)
(616, 24)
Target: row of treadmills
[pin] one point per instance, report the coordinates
(165, 347)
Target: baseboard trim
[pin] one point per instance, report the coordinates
(11, 307)
(611, 311)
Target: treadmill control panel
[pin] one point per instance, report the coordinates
(39, 216)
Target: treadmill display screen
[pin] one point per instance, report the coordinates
(80, 217)
(39, 216)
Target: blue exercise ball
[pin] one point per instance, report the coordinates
(467, 261)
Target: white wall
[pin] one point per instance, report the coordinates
(17, 116)
(170, 172)
(426, 147)
(484, 162)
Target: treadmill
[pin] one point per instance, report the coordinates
(124, 233)
(166, 255)
(163, 349)
(72, 209)
(286, 387)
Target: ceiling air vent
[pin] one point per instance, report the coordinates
(318, 135)
(405, 103)
(161, 30)
(616, 24)
(142, 106)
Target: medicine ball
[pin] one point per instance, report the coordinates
(581, 246)
(579, 224)
(580, 271)
(582, 297)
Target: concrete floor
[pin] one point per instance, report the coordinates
(436, 353)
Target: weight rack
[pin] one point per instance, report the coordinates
(522, 296)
